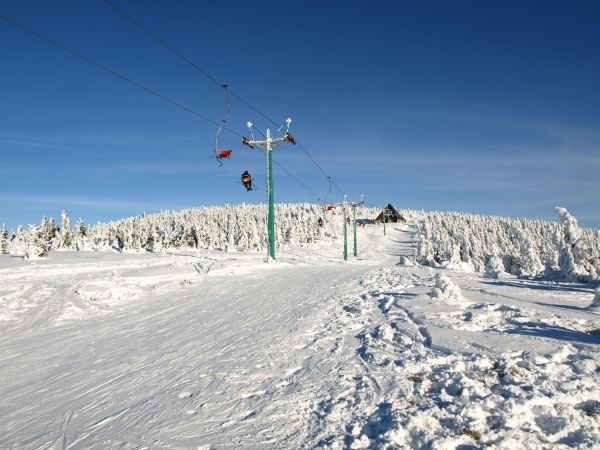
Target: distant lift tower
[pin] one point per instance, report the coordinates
(345, 204)
(269, 144)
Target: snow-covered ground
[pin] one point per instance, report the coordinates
(219, 350)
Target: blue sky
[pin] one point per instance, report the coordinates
(485, 107)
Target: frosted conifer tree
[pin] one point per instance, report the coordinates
(425, 252)
(81, 235)
(531, 265)
(190, 236)
(570, 227)
(120, 238)
(45, 228)
(66, 231)
(4, 240)
(136, 238)
(493, 264)
(48, 229)
(18, 246)
(37, 247)
(571, 254)
(150, 240)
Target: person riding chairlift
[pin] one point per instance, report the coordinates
(247, 180)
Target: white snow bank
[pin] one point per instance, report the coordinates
(445, 288)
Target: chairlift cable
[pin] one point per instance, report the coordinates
(297, 180)
(112, 72)
(158, 39)
(142, 87)
(293, 177)
(209, 76)
(328, 192)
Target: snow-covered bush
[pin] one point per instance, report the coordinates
(445, 288)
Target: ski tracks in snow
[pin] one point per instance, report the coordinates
(41, 294)
(292, 356)
(390, 385)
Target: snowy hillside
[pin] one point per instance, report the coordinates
(559, 250)
(208, 349)
(238, 227)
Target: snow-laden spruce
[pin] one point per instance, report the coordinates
(4, 240)
(496, 245)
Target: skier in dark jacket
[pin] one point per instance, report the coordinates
(247, 180)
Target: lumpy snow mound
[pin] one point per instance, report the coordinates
(445, 288)
(215, 349)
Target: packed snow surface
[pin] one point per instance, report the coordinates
(212, 349)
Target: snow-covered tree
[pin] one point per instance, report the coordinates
(50, 232)
(66, 231)
(18, 245)
(571, 257)
(493, 264)
(4, 240)
(81, 235)
(37, 247)
(531, 265)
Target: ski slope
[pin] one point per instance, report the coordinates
(220, 350)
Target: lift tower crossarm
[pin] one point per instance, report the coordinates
(269, 143)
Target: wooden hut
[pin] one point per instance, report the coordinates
(390, 214)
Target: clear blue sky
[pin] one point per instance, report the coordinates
(488, 107)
